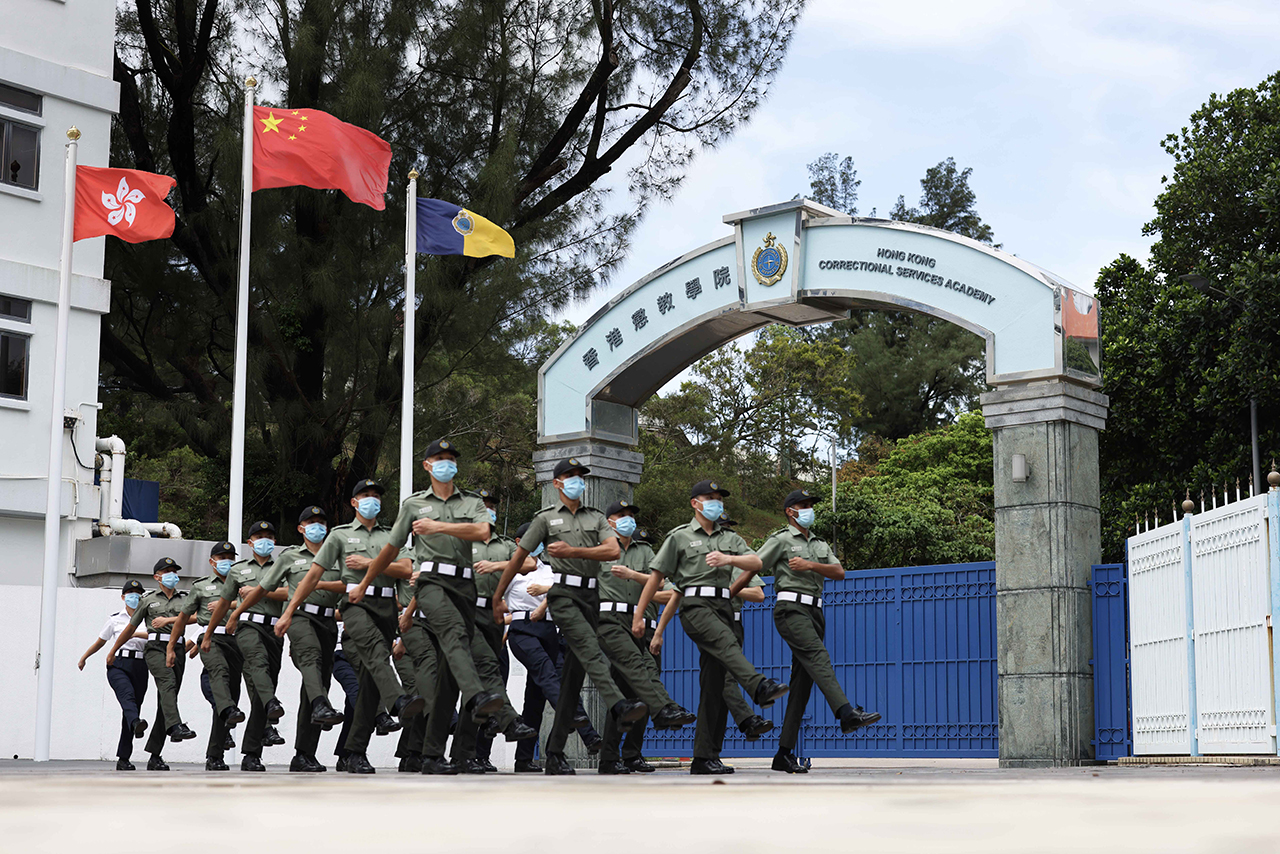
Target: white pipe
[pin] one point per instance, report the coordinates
(104, 487)
(163, 529)
(235, 491)
(406, 350)
(53, 502)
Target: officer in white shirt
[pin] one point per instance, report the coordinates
(127, 675)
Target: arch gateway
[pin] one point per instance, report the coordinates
(801, 263)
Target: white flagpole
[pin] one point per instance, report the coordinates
(235, 499)
(53, 496)
(410, 300)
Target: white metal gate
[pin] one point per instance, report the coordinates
(1231, 601)
(1158, 629)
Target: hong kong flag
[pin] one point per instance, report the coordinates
(125, 202)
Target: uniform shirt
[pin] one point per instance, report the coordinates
(204, 594)
(291, 566)
(754, 582)
(355, 539)
(497, 548)
(154, 606)
(585, 529)
(460, 507)
(637, 556)
(249, 573)
(115, 624)
(518, 596)
(683, 556)
(789, 543)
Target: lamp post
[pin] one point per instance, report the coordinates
(1201, 284)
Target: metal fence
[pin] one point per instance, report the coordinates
(917, 645)
(1113, 732)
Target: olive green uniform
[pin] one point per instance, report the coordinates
(446, 595)
(262, 650)
(797, 612)
(574, 604)
(223, 662)
(313, 635)
(633, 667)
(733, 698)
(154, 606)
(369, 627)
(417, 670)
(707, 618)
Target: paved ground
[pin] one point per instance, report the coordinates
(847, 806)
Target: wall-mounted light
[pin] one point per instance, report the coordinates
(1019, 468)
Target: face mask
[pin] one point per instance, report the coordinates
(169, 580)
(264, 547)
(573, 488)
(493, 518)
(805, 517)
(712, 509)
(626, 526)
(538, 550)
(222, 567)
(444, 470)
(369, 508)
(315, 531)
(132, 599)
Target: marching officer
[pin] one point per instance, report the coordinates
(313, 638)
(699, 558)
(800, 563)
(578, 539)
(368, 616)
(159, 610)
(128, 675)
(219, 652)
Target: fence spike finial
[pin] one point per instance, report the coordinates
(1273, 479)
(1188, 506)
(1137, 525)
(1202, 501)
(1237, 489)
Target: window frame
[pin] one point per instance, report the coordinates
(26, 367)
(13, 318)
(7, 124)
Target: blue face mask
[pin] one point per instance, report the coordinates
(573, 487)
(169, 580)
(493, 518)
(264, 547)
(626, 526)
(369, 508)
(315, 531)
(713, 509)
(444, 470)
(805, 517)
(132, 599)
(538, 550)
(222, 567)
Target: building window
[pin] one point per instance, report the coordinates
(19, 99)
(12, 308)
(14, 350)
(19, 142)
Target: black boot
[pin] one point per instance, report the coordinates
(438, 765)
(305, 764)
(768, 691)
(180, 732)
(721, 768)
(124, 765)
(489, 729)
(384, 724)
(580, 721)
(527, 766)
(215, 763)
(754, 727)
(854, 718)
(673, 716)
(231, 716)
(484, 704)
(358, 763)
(612, 766)
(274, 710)
(406, 706)
(708, 766)
(518, 730)
(592, 744)
(638, 765)
(323, 714)
(470, 766)
(557, 765)
(489, 767)
(271, 736)
(784, 760)
(341, 764)
(411, 763)
(157, 763)
(249, 762)
(228, 742)
(139, 728)
(627, 712)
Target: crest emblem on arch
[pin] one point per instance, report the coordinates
(769, 263)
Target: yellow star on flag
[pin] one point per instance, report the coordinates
(292, 137)
(271, 123)
(302, 127)
(295, 112)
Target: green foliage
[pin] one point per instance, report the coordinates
(192, 490)
(947, 202)
(834, 183)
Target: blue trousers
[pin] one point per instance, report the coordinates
(345, 675)
(536, 644)
(128, 678)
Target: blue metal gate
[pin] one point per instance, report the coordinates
(916, 644)
(1113, 736)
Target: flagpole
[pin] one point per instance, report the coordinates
(235, 497)
(53, 495)
(410, 301)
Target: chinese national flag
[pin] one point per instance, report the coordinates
(125, 202)
(313, 149)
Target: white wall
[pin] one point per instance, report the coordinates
(86, 717)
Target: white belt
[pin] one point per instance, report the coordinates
(219, 630)
(653, 624)
(802, 598)
(129, 653)
(483, 601)
(574, 580)
(157, 636)
(261, 619)
(737, 616)
(617, 607)
(707, 592)
(317, 610)
(445, 569)
(375, 592)
(517, 616)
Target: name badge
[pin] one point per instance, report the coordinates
(555, 522)
(796, 548)
(693, 543)
(355, 540)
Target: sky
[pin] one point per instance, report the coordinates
(1059, 108)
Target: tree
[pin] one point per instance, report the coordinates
(947, 202)
(520, 110)
(834, 183)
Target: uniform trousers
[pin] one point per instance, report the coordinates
(636, 674)
(448, 612)
(262, 652)
(224, 666)
(709, 624)
(804, 628)
(128, 679)
(312, 639)
(346, 676)
(486, 643)
(168, 682)
(484, 743)
(412, 733)
(738, 706)
(576, 611)
(536, 644)
(369, 629)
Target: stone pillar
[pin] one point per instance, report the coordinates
(1048, 535)
(615, 470)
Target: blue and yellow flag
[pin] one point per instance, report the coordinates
(446, 229)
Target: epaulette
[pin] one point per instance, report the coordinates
(546, 509)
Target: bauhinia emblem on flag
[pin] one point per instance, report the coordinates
(125, 202)
(446, 229)
(313, 149)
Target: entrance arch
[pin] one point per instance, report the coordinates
(800, 263)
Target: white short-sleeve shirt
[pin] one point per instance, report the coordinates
(518, 598)
(117, 623)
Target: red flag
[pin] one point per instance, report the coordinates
(125, 202)
(313, 149)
